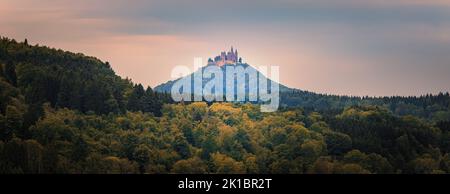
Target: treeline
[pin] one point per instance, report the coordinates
(229, 138)
(433, 107)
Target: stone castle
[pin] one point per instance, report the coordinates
(226, 58)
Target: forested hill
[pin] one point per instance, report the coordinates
(429, 106)
(167, 87)
(62, 112)
(32, 75)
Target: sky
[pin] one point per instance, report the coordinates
(345, 47)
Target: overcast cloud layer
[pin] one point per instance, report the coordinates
(351, 47)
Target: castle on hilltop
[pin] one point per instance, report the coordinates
(226, 58)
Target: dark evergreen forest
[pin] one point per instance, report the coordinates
(63, 112)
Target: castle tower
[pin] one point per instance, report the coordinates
(227, 57)
(223, 55)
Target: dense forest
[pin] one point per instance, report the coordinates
(62, 112)
(433, 107)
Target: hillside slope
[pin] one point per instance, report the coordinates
(166, 87)
(61, 112)
(37, 74)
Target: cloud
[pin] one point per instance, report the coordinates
(346, 47)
